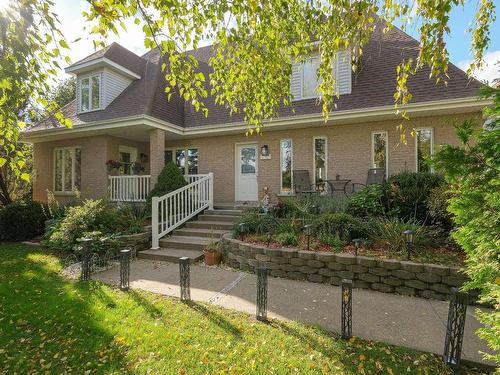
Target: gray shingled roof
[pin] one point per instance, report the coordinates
(373, 86)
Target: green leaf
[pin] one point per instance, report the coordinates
(63, 44)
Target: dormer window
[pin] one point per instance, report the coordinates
(90, 93)
(310, 77)
(304, 81)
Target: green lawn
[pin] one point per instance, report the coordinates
(52, 325)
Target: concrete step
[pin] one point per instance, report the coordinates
(235, 206)
(228, 212)
(199, 232)
(214, 217)
(205, 224)
(184, 242)
(170, 255)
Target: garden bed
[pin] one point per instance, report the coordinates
(384, 275)
(442, 255)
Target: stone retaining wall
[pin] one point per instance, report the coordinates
(138, 241)
(384, 275)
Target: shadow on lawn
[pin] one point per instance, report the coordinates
(216, 318)
(49, 323)
(151, 309)
(307, 339)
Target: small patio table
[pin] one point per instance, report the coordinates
(338, 185)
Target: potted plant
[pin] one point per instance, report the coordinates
(213, 255)
(113, 165)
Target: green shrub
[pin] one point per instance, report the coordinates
(437, 204)
(408, 193)
(306, 206)
(333, 240)
(21, 221)
(78, 220)
(389, 233)
(101, 243)
(343, 225)
(169, 179)
(256, 223)
(287, 239)
(93, 216)
(369, 201)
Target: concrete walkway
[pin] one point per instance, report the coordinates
(406, 321)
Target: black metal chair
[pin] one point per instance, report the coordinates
(376, 176)
(302, 182)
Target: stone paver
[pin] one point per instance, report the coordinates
(407, 321)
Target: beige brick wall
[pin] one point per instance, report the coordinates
(349, 151)
(349, 154)
(93, 171)
(95, 151)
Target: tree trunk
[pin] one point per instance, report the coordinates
(5, 197)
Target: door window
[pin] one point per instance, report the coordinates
(248, 155)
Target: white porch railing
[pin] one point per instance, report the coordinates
(129, 188)
(174, 209)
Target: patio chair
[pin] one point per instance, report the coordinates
(376, 176)
(302, 182)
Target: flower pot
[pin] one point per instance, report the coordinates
(212, 258)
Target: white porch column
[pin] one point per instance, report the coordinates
(156, 154)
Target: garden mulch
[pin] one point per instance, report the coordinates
(400, 320)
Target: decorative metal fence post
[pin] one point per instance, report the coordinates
(455, 328)
(124, 269)
(86, 259)
(184, 282)
(261, 313)
(346, 318)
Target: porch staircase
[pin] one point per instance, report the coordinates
(190, 239)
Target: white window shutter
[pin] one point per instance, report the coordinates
(78, 104)
(343, 72)
(296, 82)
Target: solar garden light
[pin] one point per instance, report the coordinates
(346, 309)
(261, 313)
(243, 227)
(357, 244)
(125, 269)
(86, 246)
(184, 279)
(457, 313)
(409, 240)
(308, 230)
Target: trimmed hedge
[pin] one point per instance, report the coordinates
(20, 221)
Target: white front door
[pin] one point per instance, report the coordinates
(246, 173)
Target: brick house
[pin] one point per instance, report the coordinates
(121, 114)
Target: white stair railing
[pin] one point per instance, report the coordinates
(127, 188)
(175, 208)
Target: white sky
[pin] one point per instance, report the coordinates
(72, 21)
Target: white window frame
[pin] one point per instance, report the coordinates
(89, 77)
(314, 157)
(291, 191)
(185, 149)
(63, 174)
(416, 130)
(302, 96)
(386, 150)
